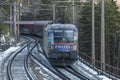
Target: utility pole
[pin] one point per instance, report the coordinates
(11, 28)
(93, 32)
(14, 22)
(73, 11)
(102, 36)
(53, 10)
(18, 19)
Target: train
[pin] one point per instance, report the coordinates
(60, 43)
(30, 27)
(33, 27)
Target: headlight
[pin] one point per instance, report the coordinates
(74, 47)
(75, 36)
(51, 47)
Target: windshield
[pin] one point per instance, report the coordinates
(61, 36)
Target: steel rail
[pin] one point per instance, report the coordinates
(9, 74)
(76, 73)
(25, 62)
(52, 70)
(9, 65)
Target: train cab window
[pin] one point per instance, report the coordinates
(58, 33)
(68, 35)
(58, 36)
(63, 36)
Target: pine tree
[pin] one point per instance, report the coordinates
(112, 31)
(85, 29)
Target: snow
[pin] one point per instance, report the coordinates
(89, 72)
(2, 39)
(7, 52)
(104, 77)
(87, 68)
(82, 67)
(46, 73)
(72, 77)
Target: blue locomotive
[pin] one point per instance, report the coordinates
(60, 43)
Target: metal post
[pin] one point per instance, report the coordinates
(14, 21)
(73, 11)
(18, 19)
(102, 36)
(11, 28)
(93, 32)
(54, 11)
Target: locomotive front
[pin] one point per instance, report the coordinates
(62, 44)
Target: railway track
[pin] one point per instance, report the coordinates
(65, 73)
(70, 70)
(3, 67)
(80, 67)
(20, 63)
(71, 73)
(3, 63)
(40, 59)
(17, 67)
(76, 73)
(50, 71)
(60, 72)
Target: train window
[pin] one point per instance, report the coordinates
(68, 35)
(63, 36)
(58, 33)
(58, 36)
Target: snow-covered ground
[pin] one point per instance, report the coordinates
(85, 70)
(9, 51)
(82, 67)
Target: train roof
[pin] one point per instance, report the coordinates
(61, 26)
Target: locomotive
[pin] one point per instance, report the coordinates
(60, 43)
